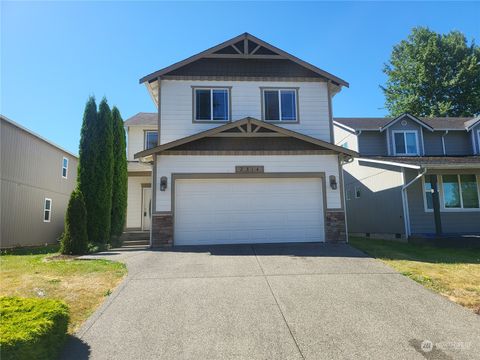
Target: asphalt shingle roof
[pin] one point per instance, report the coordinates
(437, 123)
(142, 118)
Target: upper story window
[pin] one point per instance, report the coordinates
(151, 139)
(460, 191)
(280, 105)
(211, 104)
(405, 142)
(64, 168)
(47, 210)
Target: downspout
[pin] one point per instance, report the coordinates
(443, 142)
(343, 161)
(406, 215)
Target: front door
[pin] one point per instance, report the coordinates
(146, 208)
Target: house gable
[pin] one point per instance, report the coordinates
(248, 128)
(244, 47)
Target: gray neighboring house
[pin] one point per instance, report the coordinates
(414, 177)
(37, 178)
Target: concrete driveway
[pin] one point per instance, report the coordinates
(292, 301)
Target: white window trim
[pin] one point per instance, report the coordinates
(425, 207)
(357, 190)
(405, 142)
(211, 88)
(295, 91)
(47, 210)
(65, 167)
(461, 208)
(145, 137)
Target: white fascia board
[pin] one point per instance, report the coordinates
(392, 163)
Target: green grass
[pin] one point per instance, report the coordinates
(82, 284)
(452, 272)
(32, 328)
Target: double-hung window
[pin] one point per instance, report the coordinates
(280, 105)
(151, 139)
(460, 191)
(47, 210)
(64, 167)
(405, 142)
(211, 104)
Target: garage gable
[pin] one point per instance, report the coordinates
(271, 137)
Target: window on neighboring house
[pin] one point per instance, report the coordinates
(280, 105)
(428, 191)
(151, 139)
(405, 142)
(64, 167)
(348, 194)
(478, 142)
(47, 210)
(211, 104)
(460, 191)
(357, 192)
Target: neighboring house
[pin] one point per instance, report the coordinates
(245, 150)
(415, 176)
(37, 178)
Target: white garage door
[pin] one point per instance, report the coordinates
(261, 210)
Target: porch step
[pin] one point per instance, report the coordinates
(128, 236)
(136, 243)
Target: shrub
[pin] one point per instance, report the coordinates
(120, 177)
(32, 328)
(95, 169)
(75, 238)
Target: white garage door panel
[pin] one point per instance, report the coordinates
(226, 211)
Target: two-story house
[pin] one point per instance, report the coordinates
(244, 150)
(413, 177)
(36, 180)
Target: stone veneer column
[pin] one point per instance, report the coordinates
(162, 230)
(335, 230)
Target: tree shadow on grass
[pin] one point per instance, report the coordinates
(75, 349)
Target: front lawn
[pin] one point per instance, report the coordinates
(452, 272)
(82, 284)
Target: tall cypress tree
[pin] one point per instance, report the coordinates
(87, 169)
(104, 173)
(120, 177)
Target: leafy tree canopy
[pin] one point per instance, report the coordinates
(432, 74)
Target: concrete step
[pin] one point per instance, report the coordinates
(136, 242)
(135, 235)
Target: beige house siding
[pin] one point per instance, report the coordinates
(246, 100)
(136, 140)
(30, 171)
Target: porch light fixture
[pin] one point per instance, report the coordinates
(333, 182)
(163, 183)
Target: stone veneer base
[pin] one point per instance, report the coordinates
(162, 228)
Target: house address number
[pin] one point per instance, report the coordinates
(248, 169)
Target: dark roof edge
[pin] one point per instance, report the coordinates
(246, 35)
(240, 122)
(399, 117)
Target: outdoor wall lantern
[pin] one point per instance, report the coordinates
(333, 182)
(163, 183)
